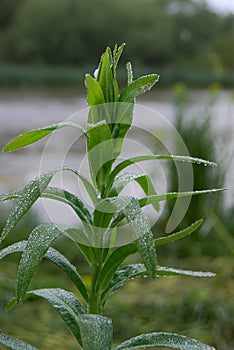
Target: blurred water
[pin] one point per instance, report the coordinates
(21, 110)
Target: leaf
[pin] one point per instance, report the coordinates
(39, 242)
(171, 340)
(30, 193)
(10, 196)
(70, 199)
(138, 87)
(130, 74)
(32, 136)
(105, 76)
(142, 230)
(122, 180)
(94, 91)
(138, 159)
(67, 306)
(178, 235)
(58, 259)
(117, 53)
(96, 332)
(14, 344)
(173, 195)
(100, 153)
(132, 271)
(88, 186)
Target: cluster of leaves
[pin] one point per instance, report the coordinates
(110, 117)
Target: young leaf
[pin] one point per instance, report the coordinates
(96, 332)
(32, 136)
(94, 91)
(67, 306)
(58, 259)
(171, 340)
(39, 242)
(105, 76)
(14, 344)
(138, 87)
(30, 193)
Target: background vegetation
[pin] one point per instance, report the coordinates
(178, 38)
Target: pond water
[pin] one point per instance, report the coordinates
(24, 109)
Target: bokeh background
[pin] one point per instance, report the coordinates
(46, 47)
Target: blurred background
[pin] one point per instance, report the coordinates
(46, 47)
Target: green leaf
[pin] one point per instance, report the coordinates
(88, 186)
(105, 76)
(100, 153)
(14, 344)
(117, 54)
(10, 196)
(142, 230)
(67, 306)
(32, 136)
(171, 340)
(174, 195)
(132, 271)
(30, 193)
(58, 259)
(138, 87)
(138, 159)
(122, 180)
(94, 91)
(178, 235)
(70, 199)
(39, 242)
(130, 74)
(96, 332)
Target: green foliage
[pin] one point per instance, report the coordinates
(96, 239)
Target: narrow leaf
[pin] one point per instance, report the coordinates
(174, 195)
(138, 87)
(58, 259)
(30, 193)
(14, 344)
(178, 235)
(142, 230)
(132, 271)
(39, 242)
(70, 199)
(96, 332)
(171, 340)
(67, 306)
(122, 180)
(138, 159)
(32, 136)
(10, 196)
(105, 76)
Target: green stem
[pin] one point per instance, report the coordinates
(94, 300)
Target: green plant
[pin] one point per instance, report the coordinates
(109, 119)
